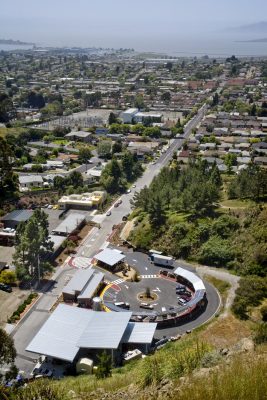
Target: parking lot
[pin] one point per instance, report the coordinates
(165, 289)
(9, 302)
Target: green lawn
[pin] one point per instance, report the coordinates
(60, 142)
(13, 131)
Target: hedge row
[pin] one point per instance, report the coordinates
(16, 314)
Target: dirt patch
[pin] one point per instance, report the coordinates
(225, 331)
(126, 230)
(9, 303)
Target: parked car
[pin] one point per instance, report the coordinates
(146, 305)
(134, 186)
(108, 213)
(128, 191)
(125, 217)
(5, 288)
(50, 206)
(116, 204)
(162, 272)
(181, 301)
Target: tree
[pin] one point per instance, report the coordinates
(166, 96)
(230, 160)
(104, 148)
(139, 101)
(112, 119)
(7, 349)
(104, 366)
(117, 147)
(215, 100)
(85, 154)
(32, 247)
(127, 165)
(156, 212)
(8, 277)
(8, 180)
(35, 100)
(75, 179)
(169, 65)
(6, 107)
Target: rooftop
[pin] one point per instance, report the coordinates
(85, 329)
(110, 257)
(18, 215)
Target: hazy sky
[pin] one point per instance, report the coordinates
(142, 24)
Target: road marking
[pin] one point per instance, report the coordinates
(118, 281)
(127, 287)
(149, 276)
(146, 268)
(156, 290)
(134, 260)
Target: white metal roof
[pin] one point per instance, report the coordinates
(191, 277)
(91, 286)
(78, 281)
(110, 256)
(30, 178)
(69, 328)
(70, 223)
(105, 330)
(139, 332)
(59, 335)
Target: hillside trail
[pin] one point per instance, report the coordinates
(223, 275)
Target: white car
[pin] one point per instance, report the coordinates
(128, 191)
(108, 213)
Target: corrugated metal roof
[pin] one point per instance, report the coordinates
(91, 286)
(59, 335)
(191, 277)
(139, 332)
(70, 223)
(104, 330)
(69, 328)
(110, 256)
(18, 215)
(78, 281)
(57, 241)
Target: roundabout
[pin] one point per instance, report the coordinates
(165, 296)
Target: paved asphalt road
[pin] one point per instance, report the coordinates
(96, 240)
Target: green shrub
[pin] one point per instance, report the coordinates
(264, 313)
(261, 333)
(250, 293)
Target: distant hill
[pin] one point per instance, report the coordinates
(258, 27)
(15, 42)
(262, 40)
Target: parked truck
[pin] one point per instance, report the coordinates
(159, 259)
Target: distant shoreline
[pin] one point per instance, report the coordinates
(15, 42)
(263, 40)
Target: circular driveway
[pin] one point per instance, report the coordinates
(123, 291)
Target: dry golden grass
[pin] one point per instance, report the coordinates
(225, 331)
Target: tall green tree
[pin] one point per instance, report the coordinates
(8, 180)
(7, 350)
(32, 247)
(156, 212)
